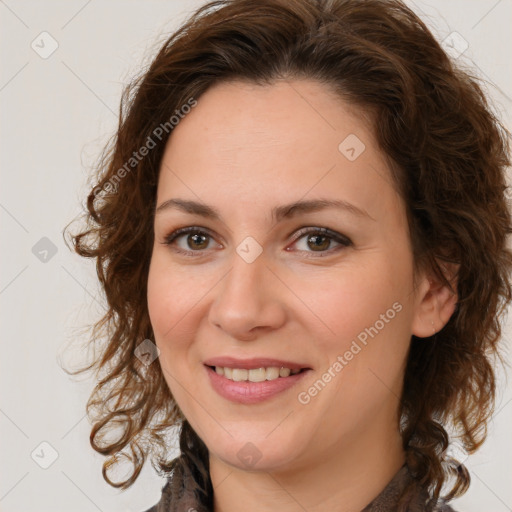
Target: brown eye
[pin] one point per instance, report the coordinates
(189, 241)
(320, 240)
(197, 241)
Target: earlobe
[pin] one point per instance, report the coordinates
(436, 303)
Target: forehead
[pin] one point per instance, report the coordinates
(248, 143)
(247, 116)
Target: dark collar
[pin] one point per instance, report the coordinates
(417, 500)
(182, 497)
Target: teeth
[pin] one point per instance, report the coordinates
(273, 373)
(239, 375)
(255, 374)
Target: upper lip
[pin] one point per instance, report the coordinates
(255, 362)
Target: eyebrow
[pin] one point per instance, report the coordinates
(278, 213)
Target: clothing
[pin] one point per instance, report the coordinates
(386, 501)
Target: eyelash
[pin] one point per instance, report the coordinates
(325, 232)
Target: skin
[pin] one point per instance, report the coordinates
(243, 150)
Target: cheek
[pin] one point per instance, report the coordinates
(173, 302)
(161, 304)
(369, 317)
(349, 301)
(366, 345)
(173, 296)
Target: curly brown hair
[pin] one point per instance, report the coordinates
(449, 154)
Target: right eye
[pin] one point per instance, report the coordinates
(196, 241)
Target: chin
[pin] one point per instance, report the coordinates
(256, 456)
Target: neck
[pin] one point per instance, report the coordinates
(344, 479)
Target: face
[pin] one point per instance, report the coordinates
(325, 286)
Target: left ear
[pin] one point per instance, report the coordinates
(435, 302)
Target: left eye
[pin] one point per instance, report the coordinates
(317, 239)
(195, 238)
(321, 239)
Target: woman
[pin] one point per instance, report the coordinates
(297, 229)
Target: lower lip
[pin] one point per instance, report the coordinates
(246, 392)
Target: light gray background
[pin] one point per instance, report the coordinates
(56, 115)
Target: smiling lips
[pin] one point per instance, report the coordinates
(254, 374)
(251, 381)
(255, 369)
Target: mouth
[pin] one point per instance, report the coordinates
(261, 374)
(253, 384)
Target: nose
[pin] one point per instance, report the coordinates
(248, 301)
